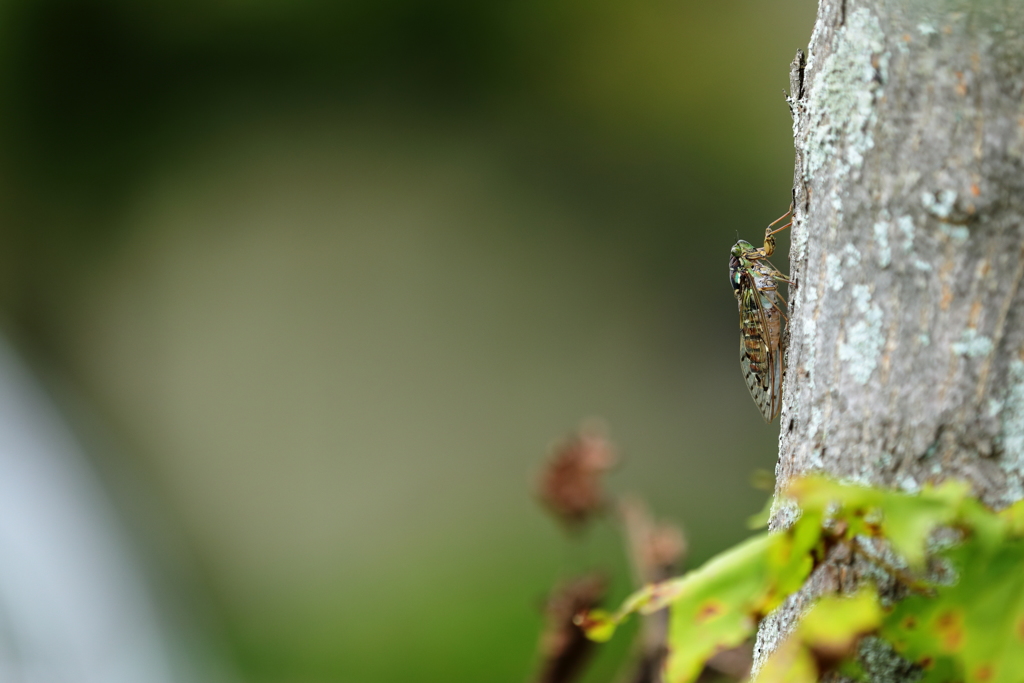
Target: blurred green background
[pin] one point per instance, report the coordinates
(328, 278)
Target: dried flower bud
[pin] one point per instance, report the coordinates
(564, 648)
(570, 484)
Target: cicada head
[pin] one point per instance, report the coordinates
(741, 248)
(737, 263)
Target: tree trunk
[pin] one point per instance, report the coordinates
(906, 338)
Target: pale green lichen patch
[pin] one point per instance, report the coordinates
(809, 329)
(837, 264)
(784, 512)
(939, 204)
(815, 460)
(881, 229)
(798, 243)
(909, 484)
(1012, 434)
(814, 425)
(834, 272)
(851, 257)
(905, 224)
(972, 344)
(864, 339)
(994, 407)
(840, 106)
(810, 301)
(956, 232)
(883, 461)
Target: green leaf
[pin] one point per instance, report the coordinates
(744, 558)
(827, 636)
(760, 520)
(905, 520)
(976, 626)
(719, 605)
(724, 600)
(598, 624)
(1014, 517)
(790, 663)
(836, 622)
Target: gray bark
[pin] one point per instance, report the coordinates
(906, 347)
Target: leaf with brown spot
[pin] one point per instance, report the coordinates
(973, 628)
(826, 637)
(717, 606)
(983, 674)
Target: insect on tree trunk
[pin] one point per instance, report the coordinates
(906, 341)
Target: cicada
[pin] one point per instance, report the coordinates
(755, 283)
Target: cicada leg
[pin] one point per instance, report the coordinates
(788, 212)
(778, 294)
(776, 273)
(783, 300)
(769, 238)
(769, 235)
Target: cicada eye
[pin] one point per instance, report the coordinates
(735, 275)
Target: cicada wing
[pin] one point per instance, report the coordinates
(771, 310)
(761, 346)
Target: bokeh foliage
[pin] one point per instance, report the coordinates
(340, 414)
